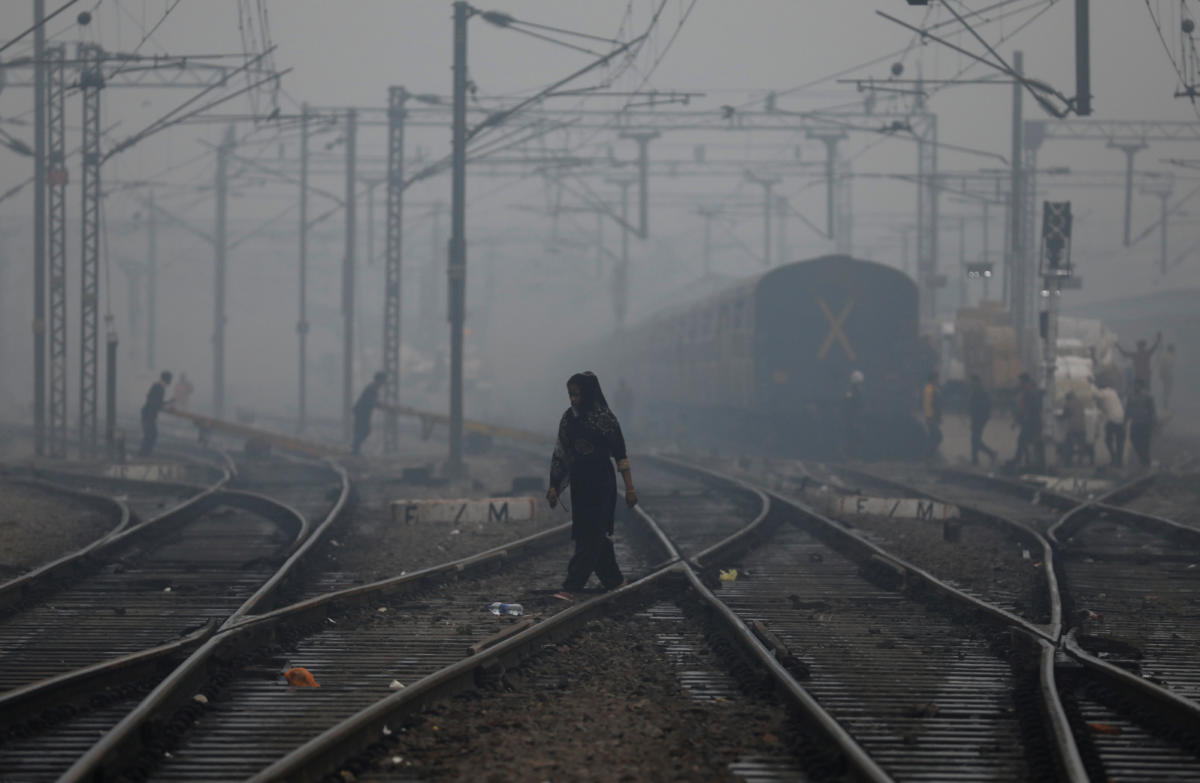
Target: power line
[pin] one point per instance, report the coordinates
(39, 23)
(1167, 49)
(654, 66)
(147, 35)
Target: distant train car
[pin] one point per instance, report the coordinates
(767, 362)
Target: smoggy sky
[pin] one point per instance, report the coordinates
(348, 53)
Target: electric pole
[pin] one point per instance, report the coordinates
(768, 183)
(351, 135)
(781, 207)
(456, 273)
(620, 286)
(221, 247)
(151, 279)
(302, 320)
(708, 213)
(39, 228)
(643, 139)
(1083, 70)
(1163, 191)
(91, 82)
(56, 178)
(1015, 275)
(394, 263)
(831, 141)
(1130, 148)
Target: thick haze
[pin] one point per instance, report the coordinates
(536, 285)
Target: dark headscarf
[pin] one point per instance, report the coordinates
(590, 395)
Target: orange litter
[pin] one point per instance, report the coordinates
(301, 678)
(1104, 728)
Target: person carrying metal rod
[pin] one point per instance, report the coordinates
(363, 408)
(155, 402)
(589, 441)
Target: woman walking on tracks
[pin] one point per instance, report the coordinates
(589, 438)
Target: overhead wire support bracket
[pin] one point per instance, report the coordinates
(1035, 87)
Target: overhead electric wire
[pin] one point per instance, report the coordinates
(654, 66)
(147, 35)
(38, 23)
(1171, 57)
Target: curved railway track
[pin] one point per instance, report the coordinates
(355, 642)
(81, 642)
(1130, 680)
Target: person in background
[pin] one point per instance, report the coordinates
(931, 407)
(1029, 419)
(853, 406)
(979, 403)
(1109, 403)
(183, 391)
(1139, 412)
(1075, 413)
(1166, 374)
(589, 441)
(1140, 358)
(155, 402)
(363, 409)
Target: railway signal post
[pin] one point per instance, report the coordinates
(1055, 267)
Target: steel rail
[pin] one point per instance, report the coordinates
(305, 545)
(54, 690)
(153, 662)
(111, 507)
(1179, 706)
(325, 751)
(1056, 619)
(129, 737)
(309, 762)
(907, 571)
(71, 565)
(1068, 759)
(857, 760)
(1181, 711)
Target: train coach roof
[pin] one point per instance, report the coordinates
(819, 267)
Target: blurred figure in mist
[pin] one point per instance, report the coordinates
(931, 407)
(1139, 412)
(155, 402)
(363, 409)
(1140, 358)
(979, 403)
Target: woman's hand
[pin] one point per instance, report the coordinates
(552, 497)
(631, 497)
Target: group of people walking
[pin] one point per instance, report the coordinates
(1133, 417)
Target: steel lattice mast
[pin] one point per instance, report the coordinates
(394, 263)
(91, 81)
(56, 179)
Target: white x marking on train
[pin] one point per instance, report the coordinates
(835, 329)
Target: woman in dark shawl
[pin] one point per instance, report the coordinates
(589, 440)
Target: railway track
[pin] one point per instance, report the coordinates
(769, 540)
(355, 642)
(1132, 590)
(82, 642)
(890, 672)
(1129, 678)
(993, 557)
